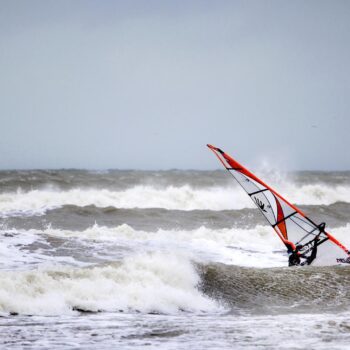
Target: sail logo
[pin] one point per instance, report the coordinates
(260, 204)
(344, 261)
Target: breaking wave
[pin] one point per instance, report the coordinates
(147, 283)
(170, 283)
(37, 202)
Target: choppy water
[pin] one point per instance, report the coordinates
(128, 259)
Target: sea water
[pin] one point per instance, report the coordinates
(167, 259)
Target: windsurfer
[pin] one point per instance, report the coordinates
(295, 255)
(291, 225)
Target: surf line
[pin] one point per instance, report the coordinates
(306, 242)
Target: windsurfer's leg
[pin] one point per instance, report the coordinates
(294, 259)
(312, 257)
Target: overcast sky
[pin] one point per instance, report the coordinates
(146, 84)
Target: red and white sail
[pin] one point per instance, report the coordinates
(289, 222)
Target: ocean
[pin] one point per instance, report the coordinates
(124, 259)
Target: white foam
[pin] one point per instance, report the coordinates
(342, 233)
(183, 198)
(316, 194)
(255, 247)
(244, 247)
(26, 248)
(153, 282)
(173, 198)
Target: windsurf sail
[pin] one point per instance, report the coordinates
(292, 226)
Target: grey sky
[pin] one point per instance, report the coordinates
(146, 84)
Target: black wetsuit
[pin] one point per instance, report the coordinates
(294, 257)
(313, 254)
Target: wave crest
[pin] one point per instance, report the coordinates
(37, 202)
(154, 282)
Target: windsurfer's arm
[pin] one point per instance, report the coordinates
(313, 254)
(290, 246)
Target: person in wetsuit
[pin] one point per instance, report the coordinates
(295, 256)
